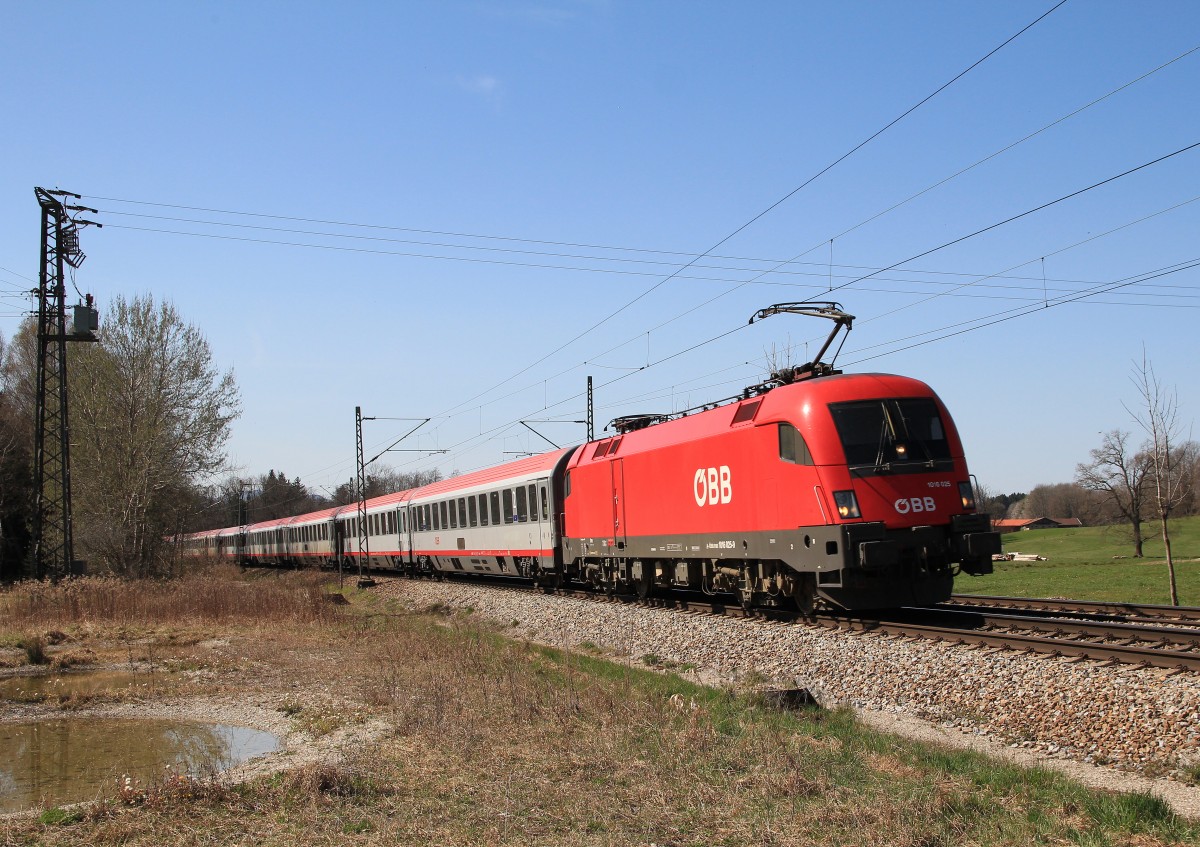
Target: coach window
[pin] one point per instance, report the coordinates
(437, 518)
(445, 514)
(462, 512)
(472, 515)
(483, 514)
(506, 496)
(494, 500)
(792, 447)
(545, 505)
(453, 516)
(522, 507)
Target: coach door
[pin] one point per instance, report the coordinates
(618, 488)
(539, 511)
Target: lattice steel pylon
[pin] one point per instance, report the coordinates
(53, 541)
(364, 537)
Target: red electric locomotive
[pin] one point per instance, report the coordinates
(850, 488)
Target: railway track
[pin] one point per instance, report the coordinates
(1130, 612)
(1118, 641)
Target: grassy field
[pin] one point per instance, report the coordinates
(1095, 563)
(494, 741)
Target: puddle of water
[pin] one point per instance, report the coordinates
(70, 686)
(53, 762)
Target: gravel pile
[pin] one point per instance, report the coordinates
(1145, 720)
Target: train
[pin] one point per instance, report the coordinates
(818, 488)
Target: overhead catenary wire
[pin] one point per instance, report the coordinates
(1037, 308)
(1026, 213)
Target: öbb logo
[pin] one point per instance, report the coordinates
(915, 504)
(711, 486)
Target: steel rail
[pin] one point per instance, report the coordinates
(1148, 610)
(1086, 628)
(1124, 654)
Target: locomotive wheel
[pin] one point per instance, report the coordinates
(804, 593)
(643, 586)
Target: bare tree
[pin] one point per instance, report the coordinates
(150, 417)
(384, 479)
(1060, 500)
(1119, 474)
(1158, 414)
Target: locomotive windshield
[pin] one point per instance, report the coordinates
(892, 435)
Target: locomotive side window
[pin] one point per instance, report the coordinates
(495, 502)
(508, 505)
(883, 433)
(792, 447)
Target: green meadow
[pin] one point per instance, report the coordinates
(1095, 563)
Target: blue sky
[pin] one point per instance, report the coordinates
(443, 195)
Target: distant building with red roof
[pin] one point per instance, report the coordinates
(1019, 524)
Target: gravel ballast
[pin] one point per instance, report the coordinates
(1073, 715)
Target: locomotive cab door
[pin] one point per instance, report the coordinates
(617, 467)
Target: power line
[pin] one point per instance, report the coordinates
(1026, 213)
(1011, 314)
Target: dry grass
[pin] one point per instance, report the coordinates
(500, 742)
(217, 593)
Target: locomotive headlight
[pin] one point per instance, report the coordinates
(967, 494)
(847, 504)
(901, 450)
